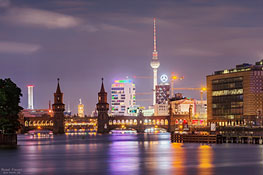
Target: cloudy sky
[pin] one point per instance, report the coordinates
(81, 41)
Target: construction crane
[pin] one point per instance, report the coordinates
(173, 79)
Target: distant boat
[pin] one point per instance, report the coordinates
(123, 131)
(40, 132)
(155, 130)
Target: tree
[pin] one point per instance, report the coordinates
(9, 106)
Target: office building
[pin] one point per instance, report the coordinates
(123, 96)
(234, 96)
(162, 93)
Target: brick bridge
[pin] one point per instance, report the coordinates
(139, 123)
(32, 123)
(105, 123)
(46, 122)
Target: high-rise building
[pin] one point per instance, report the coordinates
(122, 96)
(80, 109)
(154, 62)
(30, 96)
(162, 93)
(235, 96)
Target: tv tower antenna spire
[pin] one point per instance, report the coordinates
(154, 35)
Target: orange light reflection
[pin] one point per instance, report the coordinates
(205, 156)
(179, 158)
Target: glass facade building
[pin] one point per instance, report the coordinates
(235, 96)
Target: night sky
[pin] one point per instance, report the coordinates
(81, 41)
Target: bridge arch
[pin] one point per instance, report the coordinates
(162, 122)
(46, 123)
(150, 122)
(166, 122)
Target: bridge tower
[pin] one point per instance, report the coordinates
(102, 107)
(58, 109)
(140, 123)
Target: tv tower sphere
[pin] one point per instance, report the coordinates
(155, 64)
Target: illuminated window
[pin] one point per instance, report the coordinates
(227, 92)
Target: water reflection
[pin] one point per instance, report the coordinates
(136, 154)
(124, 156)
(205, 157)
(163, 157)
(179, 158)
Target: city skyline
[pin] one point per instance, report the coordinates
(36, 50)
(106, 87)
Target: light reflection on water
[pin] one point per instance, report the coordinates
(178, 158)
(129, 154)
(205, 157)
(124, 157)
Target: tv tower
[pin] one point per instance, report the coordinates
(154, 62)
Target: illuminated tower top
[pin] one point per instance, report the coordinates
(58, 96)
(155, 62)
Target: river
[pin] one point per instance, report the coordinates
(128, 155)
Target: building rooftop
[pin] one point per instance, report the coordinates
(123, 81)
(241, 68)
(35, 112)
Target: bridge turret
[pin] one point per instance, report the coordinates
(140, 123)
(58, 109)
(103, 108)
